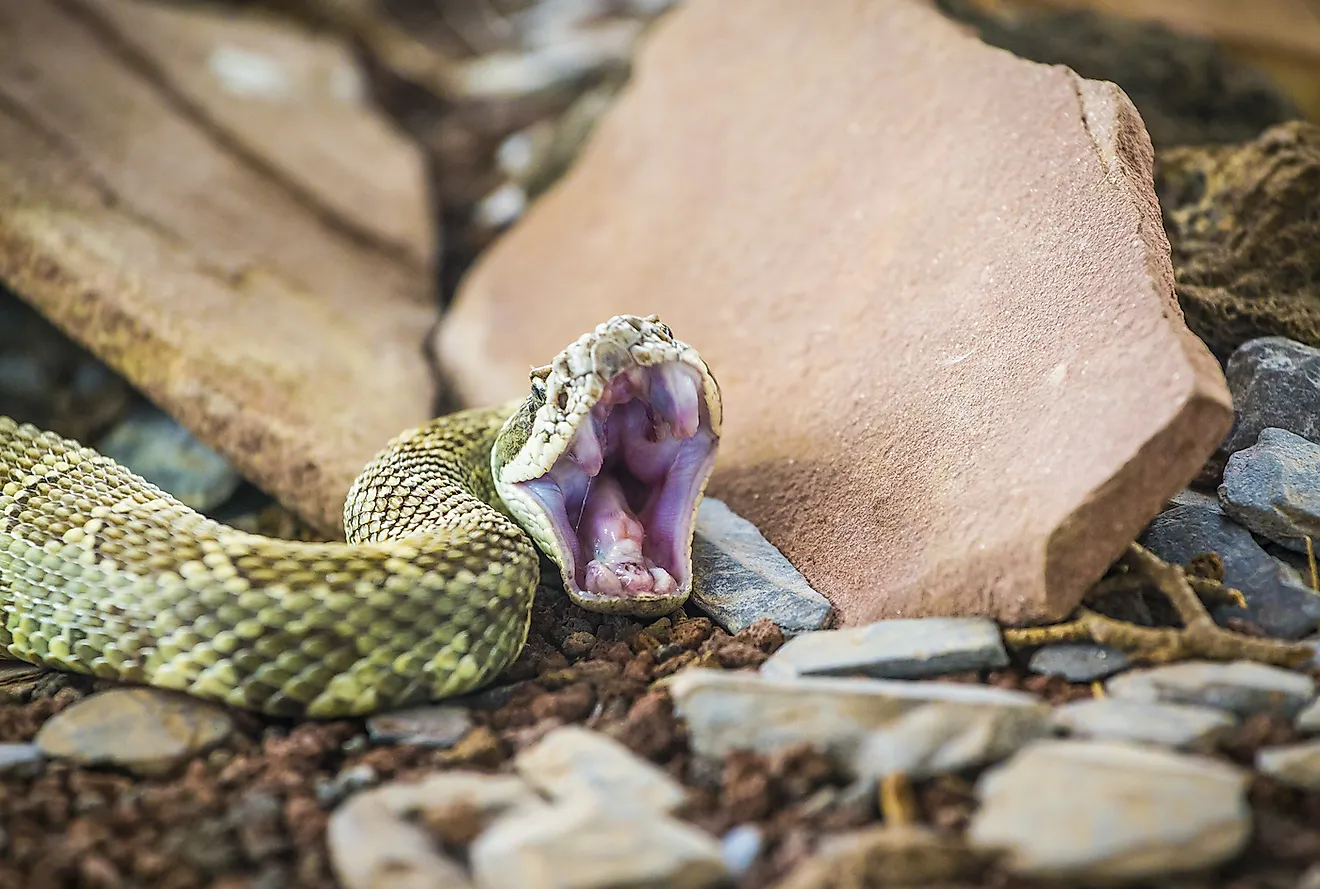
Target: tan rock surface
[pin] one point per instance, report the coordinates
(292, 101)
(930, 277)
(289, 345)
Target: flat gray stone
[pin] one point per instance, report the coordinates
(1244, 688)
(1179, 726)
(1273, 488)
(20, 760)
(1104, 810)
(1276, 601)
(726, 711)
(1308, 721)
(740, 577)
(573, 761)
(145, 730)
(587, 844)
(893, 649)
(938, 739)
(1297, 765)
(1078, 661)
(375, 842)
(441, 726)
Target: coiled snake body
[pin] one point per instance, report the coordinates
(602, 467)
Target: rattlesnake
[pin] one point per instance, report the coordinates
(602, 466)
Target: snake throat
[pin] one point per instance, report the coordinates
(622, 496)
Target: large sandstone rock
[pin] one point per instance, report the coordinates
(281, 331)
(930, 276)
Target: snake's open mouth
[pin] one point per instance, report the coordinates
(622, 496)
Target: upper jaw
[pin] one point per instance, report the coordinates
(640, 448)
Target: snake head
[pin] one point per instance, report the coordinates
(606, 462)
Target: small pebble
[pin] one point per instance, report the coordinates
(739, 576)
(740, 847)
(1244, 688)
(1297, 765)
(588, 844)
(1078, 662)
(573, 762)
(1086, 811)
(1275, 382)
(146, 731)
(20, 760)
(439, 726)
(375, 839)
(1177, 726)
(1276, 601)
(893, 649)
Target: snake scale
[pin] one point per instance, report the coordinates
(601, 467)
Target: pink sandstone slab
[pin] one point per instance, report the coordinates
(287, 343)
(930, 277)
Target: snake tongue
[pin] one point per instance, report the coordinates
(675, 396)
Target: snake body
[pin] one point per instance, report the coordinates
(429, 596)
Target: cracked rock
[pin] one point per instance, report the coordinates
(849, 448)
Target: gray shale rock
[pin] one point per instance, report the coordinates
(1106, 811)
(1273, 488)
(865, 725)
(1244, 688)
(1274, 382)
(573, 762)
(1178, 726)
(147, 731)
(591, 844)
(1078, 661)
(740, 577)
(1297, 765)
(893, 649)
(152, 444)
(1276, 602)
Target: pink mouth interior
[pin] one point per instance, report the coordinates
(621, 496)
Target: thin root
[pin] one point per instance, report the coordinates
(897, 804)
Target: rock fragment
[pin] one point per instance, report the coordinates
(893, 649)
(1106, 811)
(849, 448)
(739, 576)
(440, 726)
(574, 762)
(375, 842)
(152, 444)
(1244, 688)
(1177, 726)
(591, 844)
(914, 724)
(1078, 662)
(1272, 488)
(1297, 765)
(1308, 721)
(1276, 601)
(149, 732)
